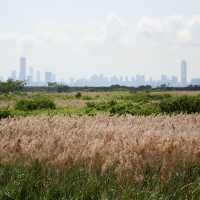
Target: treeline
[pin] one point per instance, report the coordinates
(11, 86)
(65, 88)
(15, 86)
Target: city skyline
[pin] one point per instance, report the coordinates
(34, 77)
(81, 38)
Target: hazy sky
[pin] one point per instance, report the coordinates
(77, 38)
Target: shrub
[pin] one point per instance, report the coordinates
(183, 104)
(11, 86)
(4, 114)
(35, 104)
(134, 109)
(78, 95)
(123, 108)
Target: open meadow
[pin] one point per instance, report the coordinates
(100, 145)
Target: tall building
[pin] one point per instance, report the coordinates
(164, 79)
(38, 78)
(140, 80)
(30, 77)
(183, 73)
(31, 73)
(195, 81)
(49, 77)
(53, 77)
(13, 75)
(174, 81)
(22, 71)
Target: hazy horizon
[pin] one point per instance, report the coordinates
(80, 38)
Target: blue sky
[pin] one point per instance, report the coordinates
(77, 38)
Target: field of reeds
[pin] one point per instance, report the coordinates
(130, 145)
(100, 145)
(155, 157)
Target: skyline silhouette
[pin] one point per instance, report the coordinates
(34, 77)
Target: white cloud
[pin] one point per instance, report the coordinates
(113, 41)
(113, 31)
(172, 30)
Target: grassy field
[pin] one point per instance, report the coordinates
(112, 145)
(93, 103)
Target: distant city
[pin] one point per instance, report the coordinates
(36, 78)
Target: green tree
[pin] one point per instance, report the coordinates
(11, 86)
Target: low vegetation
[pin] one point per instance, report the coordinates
(11, 86)
(182, 104)
(91, 103)
(99, 145)
(123, 108)
(5, 114)
(100, 157)
(125, 143)
(35, 104)
(36, 182)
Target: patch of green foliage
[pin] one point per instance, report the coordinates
(112, 103)
(78, 95)
(35, 104)
(19, 182)
(11, 86)
(5, 114)
(182, 104)
(123, 108)
(142, 97)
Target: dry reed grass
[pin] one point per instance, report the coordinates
(129, 145)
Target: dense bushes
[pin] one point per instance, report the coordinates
(183, 104)
(4, 114)
(35, 104)
(11, 86)
(134, 109)
(141, 106)
(78, 95)
(145, 97)
(123, 108)
(139, 103)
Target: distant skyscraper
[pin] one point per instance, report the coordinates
(38, 78)
(174, 81)
(195, 81)
(49, 77)
(164, 79)
(22, 72)
(183, 73)
(140, 80)
(31, 73)
(53, 77)
(30, 77)
(13, 75)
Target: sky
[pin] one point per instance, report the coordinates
(78, 38)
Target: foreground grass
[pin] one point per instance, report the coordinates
(19, 182)
(91, 158)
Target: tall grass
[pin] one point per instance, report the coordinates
(36, 182)
(128, 145)
(100, 157)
